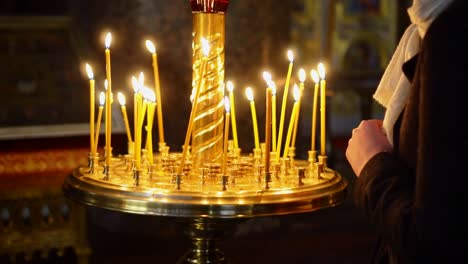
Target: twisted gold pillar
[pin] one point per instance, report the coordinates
(207, 134)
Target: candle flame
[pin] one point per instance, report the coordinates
(266, 76)
(227, 105)
(229, 86)
(148, 94)
(89, 71)
(121, 98)
(135, 84)
(150, 46)
(302, 75)
(296, 93)
(315, 76)
(108, 40)
(290, 56)
(102, 98)
(321, 70)
(141, 79)
(249, 93)
(205, 46)
(106, 83)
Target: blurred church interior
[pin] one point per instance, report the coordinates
(44, 113)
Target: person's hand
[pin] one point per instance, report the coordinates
(367, 140)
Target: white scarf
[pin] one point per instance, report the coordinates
(394, 87)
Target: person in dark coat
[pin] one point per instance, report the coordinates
(412, 180)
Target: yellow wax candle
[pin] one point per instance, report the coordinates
(291, 121)
(273, 116)
(283, 105)
(102, 100)
(89, 71)
(302, 77)
(141, 119)
(107, 122)
(230, 88)
(250, 97)
(108, 100)
(123, 108)
(136, 101)
(149, 125)
(316, 79)
(206, 52)
(226, 134)
(321, 70)
(268, 129)
(151, 48)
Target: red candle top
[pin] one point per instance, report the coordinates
(209, 6)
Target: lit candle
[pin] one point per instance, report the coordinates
(136, 101)
(151, 48)
(283, 106)
(89, 71)
(123, 108)
(149, 127)
(321, 71)
(272, 86)
(206, 52)
(316, 79)
(268, 129)
(250, 97)
(102, 100)
(297, 95)
(141, 118)
(302, 77)
(108, 99)
(108, 122)
(230, 88)
(226, 134)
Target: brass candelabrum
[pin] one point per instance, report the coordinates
(207, 190)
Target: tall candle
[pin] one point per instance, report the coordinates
(107, 122)
(316, 79)
(230, 88)
(108, 100)
(321, 70)
(283, 105)
(123, 109)
(141, 118)
(89, 71)
(250, 97)
(291, 121)
(302, 77)
(149, 126)
(206, 52)
(136, 101)
(272, 86)
(268, 129)
(150, 46)
(226, 134)
(102, 100)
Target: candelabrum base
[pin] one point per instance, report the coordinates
(207, 203)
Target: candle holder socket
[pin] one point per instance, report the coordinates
(322, 160)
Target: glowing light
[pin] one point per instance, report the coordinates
(121, 98)
(290, 56)
(102, 98)
(229, 86)
(106, 84)
(302, 75)
(108, 40)
(321, 70)
(150, 46)
(89, 71)
(315, 76)
(227, 105)
(249, 93)
(296, 93)
(135, 84)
